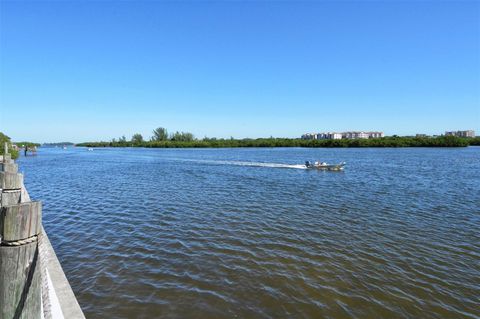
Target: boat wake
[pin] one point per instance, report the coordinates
(251, 164)
(260, 164)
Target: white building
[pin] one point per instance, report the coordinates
(355, 135)
(329, 136)
(375, 134)
(338, 136)
(468, 133)
(309, 136)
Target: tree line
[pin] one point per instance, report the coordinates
(161, 139)
(158, 135)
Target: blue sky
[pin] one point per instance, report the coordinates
(89, 70)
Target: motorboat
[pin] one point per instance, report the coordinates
(325, 166)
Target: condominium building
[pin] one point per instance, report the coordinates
(309, 136)
(468, 133)
(329, 136)
(375, 134)
(354, 135)
(322, 136)
(337, 136)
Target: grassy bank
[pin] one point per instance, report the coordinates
(442, 141)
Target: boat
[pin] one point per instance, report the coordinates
(90, 149)
(325, 166)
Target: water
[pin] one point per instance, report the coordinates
(247, 233)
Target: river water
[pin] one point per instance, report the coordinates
(248, 233)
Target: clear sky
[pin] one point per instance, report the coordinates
(83, 70)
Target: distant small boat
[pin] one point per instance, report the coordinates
(90, 149)
(325, 166)
(64, 147)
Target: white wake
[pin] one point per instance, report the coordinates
(251, 164)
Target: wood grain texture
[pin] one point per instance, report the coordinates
(20, 221)
(9, 167)
(19, 282)
(11, 180)
(8, 198)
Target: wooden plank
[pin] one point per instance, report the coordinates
(8, 198)
(24, 197)
(11, 180)
(9, 167)
(20, 294)
(20, 221)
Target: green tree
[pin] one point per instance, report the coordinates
(122, 139)
(137, 138)
(182, 137)
(5, 139)
(160, 134)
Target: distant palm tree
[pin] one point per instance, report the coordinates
(160, 134)
(137, 138)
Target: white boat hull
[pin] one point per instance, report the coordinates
(325, 166)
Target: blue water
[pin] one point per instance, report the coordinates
(248, 233)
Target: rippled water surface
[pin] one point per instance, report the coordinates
(244, 233)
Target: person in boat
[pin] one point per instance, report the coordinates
(26, 150)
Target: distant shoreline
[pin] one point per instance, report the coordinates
(442, 141)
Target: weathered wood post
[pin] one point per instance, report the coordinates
(20, 226)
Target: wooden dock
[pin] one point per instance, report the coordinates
(32, 282)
